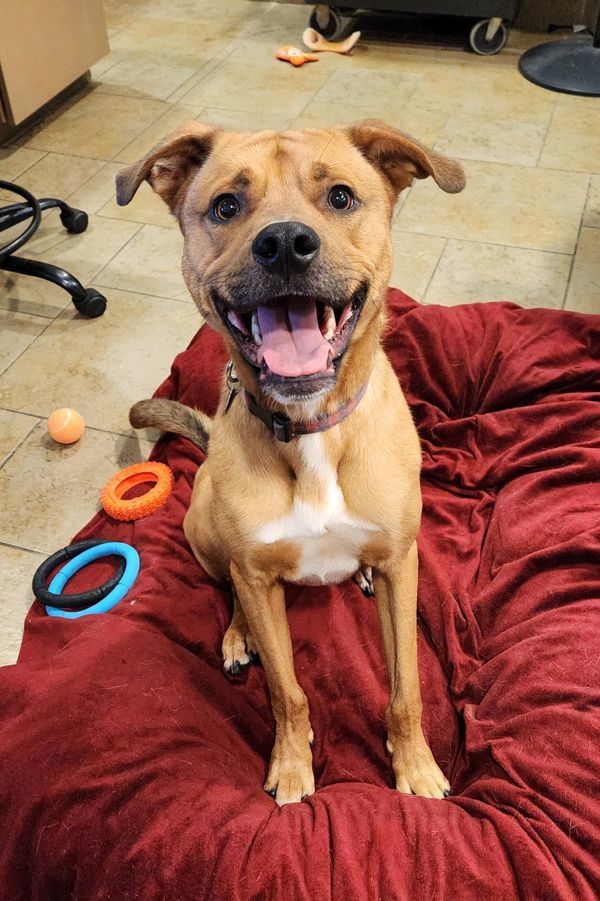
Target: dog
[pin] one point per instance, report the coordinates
(313, 460)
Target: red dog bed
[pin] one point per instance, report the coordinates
(132, 768)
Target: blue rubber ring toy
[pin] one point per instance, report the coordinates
(108, 549)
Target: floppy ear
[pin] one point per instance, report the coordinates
(399, 158)
(170, 165)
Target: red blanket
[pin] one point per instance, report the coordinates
(132, 767)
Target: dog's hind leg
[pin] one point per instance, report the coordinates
(238, 647)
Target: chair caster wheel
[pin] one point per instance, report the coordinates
(75, 221)
(482, 44)
(92, 305)
(327, 21)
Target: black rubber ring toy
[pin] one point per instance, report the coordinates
(70, 601)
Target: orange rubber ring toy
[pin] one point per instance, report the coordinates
(137, 507)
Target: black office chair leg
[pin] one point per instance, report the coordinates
(87, 301)
(74, 220)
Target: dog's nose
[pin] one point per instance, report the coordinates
(286, 248)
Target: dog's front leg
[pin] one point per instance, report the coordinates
(290, 777)
(414, 767)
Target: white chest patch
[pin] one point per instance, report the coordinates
(329, 537)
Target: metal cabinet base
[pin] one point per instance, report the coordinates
(487, 36)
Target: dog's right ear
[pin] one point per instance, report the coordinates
(169, 167)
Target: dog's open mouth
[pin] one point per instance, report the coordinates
(294, 337)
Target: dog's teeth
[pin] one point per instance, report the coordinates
(237, 321)
(256, 329)
(346, 313)
(328, 326)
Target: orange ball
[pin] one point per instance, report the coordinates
(65, 425)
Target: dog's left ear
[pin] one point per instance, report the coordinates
(400, 158)
(169, 167)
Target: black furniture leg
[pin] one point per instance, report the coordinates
(75, 221)
(87, 301)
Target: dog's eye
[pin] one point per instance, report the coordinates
(341, 198)
(225, 207)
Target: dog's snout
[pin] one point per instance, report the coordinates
(285, 248)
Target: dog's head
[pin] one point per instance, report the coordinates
(287, 240)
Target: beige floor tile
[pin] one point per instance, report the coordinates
(97, 125)
(213, 13)
(172, 119)
(98, 196)
(415, 259)
(504, 139)
(58, 175)
(469, 272)
(247, 120)
(146, 207)
(584, 288)
(106, 364)
(371, 89)
(323, 114)
(13, 429)
(49, 491)
(83, 255)
(119, 14)
(422, 122)
(17, 567)
(197, 38)
(480, 84)
(104, 64)
(573, 141)
(578, 101)
(268, 84)
(97, 190)
(15, 160)
(150, 263)
(17, 331)
(370, 54)
(512, 205)
(142, 75)
(591, 217)
(88, 251)
(273, 18)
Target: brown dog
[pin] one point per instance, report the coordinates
(312, 473)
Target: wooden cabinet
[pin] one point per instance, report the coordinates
(45, 45)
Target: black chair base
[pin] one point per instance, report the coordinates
(87, 301)
(570, 66)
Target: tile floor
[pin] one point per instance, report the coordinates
(526, 229)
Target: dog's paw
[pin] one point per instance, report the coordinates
(364, 579)
(290, 777)
(415, 769)
(239, 651)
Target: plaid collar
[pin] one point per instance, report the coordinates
(284, 429)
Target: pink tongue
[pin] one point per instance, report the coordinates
(292, 343)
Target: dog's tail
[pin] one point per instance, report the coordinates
(171, 416)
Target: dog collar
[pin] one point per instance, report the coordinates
(284, 429)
